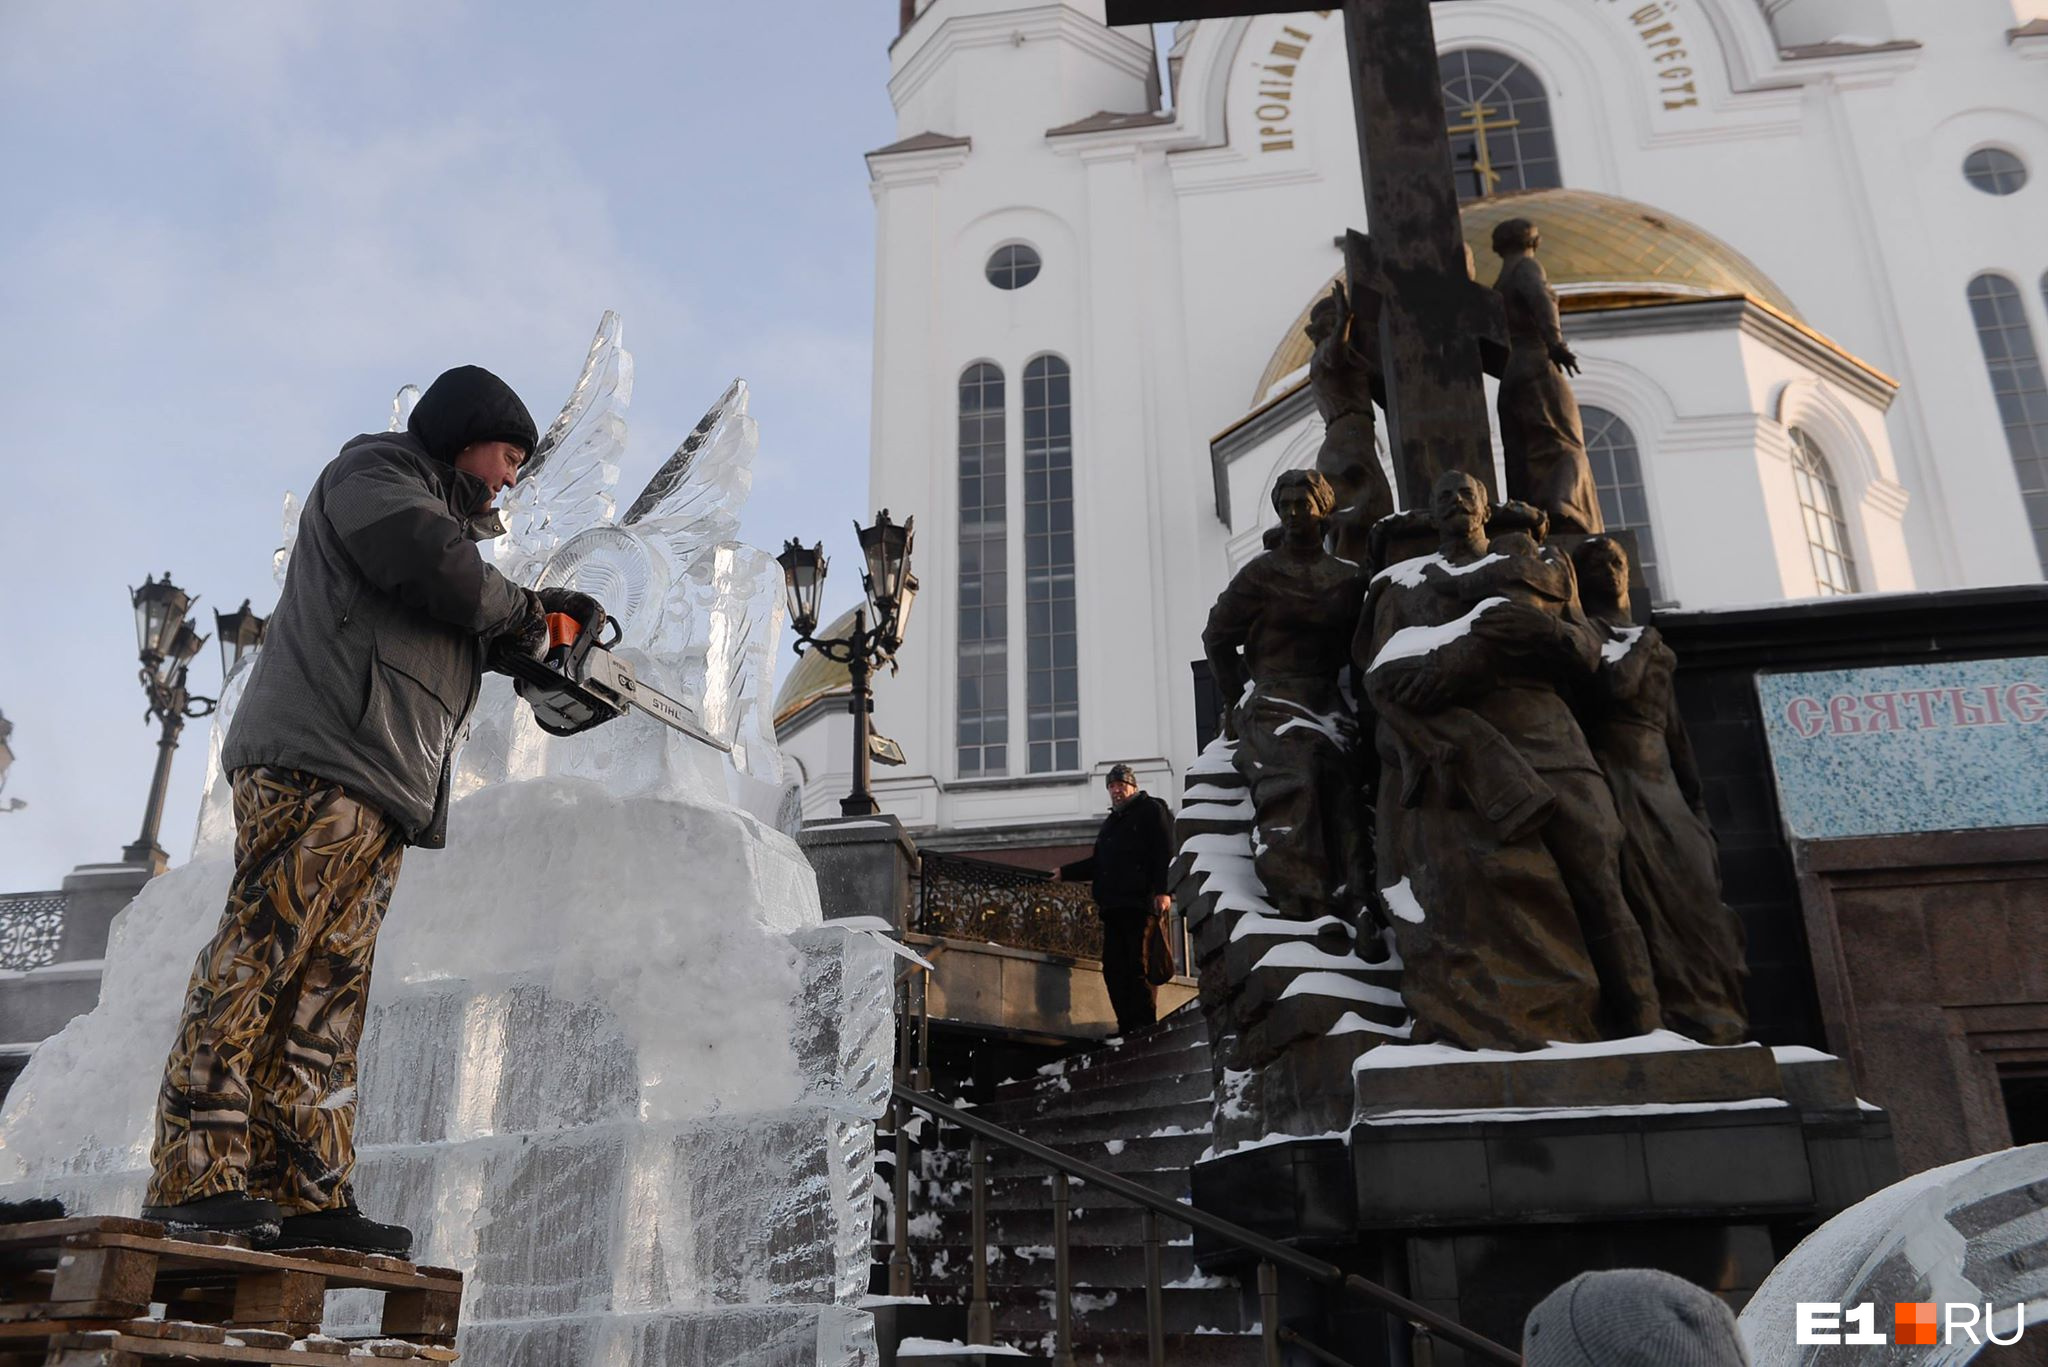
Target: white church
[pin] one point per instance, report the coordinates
(1801, 247)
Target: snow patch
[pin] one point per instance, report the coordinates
(1420, 1055)
(1338, 986)
(1413, 642)
(1616, 650)
(1401, 902)
(1412, 574)
(1444, 1117)
(939, 1348)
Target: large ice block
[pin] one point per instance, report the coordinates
(616, 1068)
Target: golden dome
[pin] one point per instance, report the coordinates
(815, 676)
(1599, 251)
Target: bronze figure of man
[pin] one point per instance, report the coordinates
(1543, 442)
(1278, 641)
(1497, 844)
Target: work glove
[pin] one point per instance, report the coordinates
(585, 609)
(526, 641)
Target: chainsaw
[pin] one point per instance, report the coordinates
(579, 683)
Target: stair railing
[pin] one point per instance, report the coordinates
(1272, 1254)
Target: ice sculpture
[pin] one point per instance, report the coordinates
(617, 1069)
(1971, 1234)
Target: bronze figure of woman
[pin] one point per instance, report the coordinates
(1670, 869)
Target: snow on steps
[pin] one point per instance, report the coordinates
(1139, 1107)
(1296, 979)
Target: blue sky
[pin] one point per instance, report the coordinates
(234, 229)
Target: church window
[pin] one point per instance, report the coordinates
(1052, 673)
(1499, 116)
(983, 674)
(2019, 389)
(1618, 471)
(1994, 170)
(1013, 267)
(1820, 506)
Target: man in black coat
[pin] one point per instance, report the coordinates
(340, 754)
(1129, 868)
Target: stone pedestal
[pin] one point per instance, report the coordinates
(864, 866)
(93, 895)
(1476, 1182)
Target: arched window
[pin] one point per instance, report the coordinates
(1820, 506)
(2008, 341)
(983, 688)
(1052, 689)
(1499, 116)
(1618, 471)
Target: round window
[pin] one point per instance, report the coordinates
(1012, 267)
(1994, 170)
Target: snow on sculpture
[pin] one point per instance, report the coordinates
(616, 1067)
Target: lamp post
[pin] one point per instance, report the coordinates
(890, 588)
(166, 640)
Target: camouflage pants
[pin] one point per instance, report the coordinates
(259, 1093)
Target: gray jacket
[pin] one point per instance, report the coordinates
(373, 655)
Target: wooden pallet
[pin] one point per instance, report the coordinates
(79, 1291)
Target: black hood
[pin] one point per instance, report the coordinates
(467, 405)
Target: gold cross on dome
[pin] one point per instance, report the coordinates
(1478, 126)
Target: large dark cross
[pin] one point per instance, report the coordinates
(1431, 313)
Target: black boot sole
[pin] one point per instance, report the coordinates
(279, 1243)
(256, 1235)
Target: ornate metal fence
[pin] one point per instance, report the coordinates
(30, 926)
(974, 899)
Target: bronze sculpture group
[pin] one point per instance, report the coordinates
(1474, 751)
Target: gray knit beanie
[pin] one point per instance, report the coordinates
(1634, 1317)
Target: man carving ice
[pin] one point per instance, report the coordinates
(340, 756)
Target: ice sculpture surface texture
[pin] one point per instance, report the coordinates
(617, 1069)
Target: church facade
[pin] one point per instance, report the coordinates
(1801, 247)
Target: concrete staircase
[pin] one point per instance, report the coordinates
(1140, 1108)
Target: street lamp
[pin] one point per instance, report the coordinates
(13, 804)
(239, 632)
(166, 641)
(890, 588)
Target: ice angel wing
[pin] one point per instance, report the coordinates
(694, 499)
(569, 482)
(401, 407)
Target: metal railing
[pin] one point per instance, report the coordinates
(31, 925)
(1272, 1254)
(977, 899)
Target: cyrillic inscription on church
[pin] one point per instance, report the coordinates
(1655, 25)
(1277, 69)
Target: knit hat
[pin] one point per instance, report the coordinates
(467, 405)
(1633, 1317)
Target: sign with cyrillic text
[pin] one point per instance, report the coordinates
(1938, 747)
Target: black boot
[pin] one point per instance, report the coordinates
(33, 1209)
(343, 1227)
(231, 1212)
